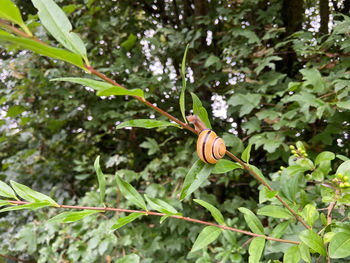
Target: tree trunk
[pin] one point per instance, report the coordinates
(324, 13)
(292, 15)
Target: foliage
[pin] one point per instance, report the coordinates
(293, 118)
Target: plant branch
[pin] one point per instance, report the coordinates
(162, 214)
(169, 116)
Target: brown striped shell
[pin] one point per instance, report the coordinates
(210, 147)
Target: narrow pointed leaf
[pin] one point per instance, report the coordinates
(182, 96)
(208, 235)
(160, 205)
(213, 210)
(126, 220)
(31, 206)
(256, 249)
(146, 123)
(10, 11)
(224, 166)
(200, 110)
(274, 211)
(101, 179)
(56, 22)
(339, 247)
(313, 241)
(44, 50)
(30, 195)
(252, 221)
(130, 193)
(246, 153)
(198, 173)
(6, 191)
(69, 217)
(103, 88)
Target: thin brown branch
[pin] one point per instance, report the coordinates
(162, 214)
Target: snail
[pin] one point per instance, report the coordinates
(210, 147)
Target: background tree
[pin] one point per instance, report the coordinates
(267, 72)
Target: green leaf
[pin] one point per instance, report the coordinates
(146, 123)
(44, 50)
(324, 156)
(198, 173)
(101, 179)
(56, 22)
(119, 91)
(6, 191)
(10, 12)
(126, 220)
(274, 211)
(103, 88)
(246, 153)
(280, 229)
(160, 205)
(132, 258)
(211, 60)
(292, 255)
(130, 42)
(208, 235)
(256, 249)
(252, 221)
(344, 104)
(313, 77)
(213, 210)
(32, 206)
(224, 166)
(310, 214)
(313, 241)
(200, 110)
(182, 96)
(265, 194)
(130, 193)
(30, 195)
(304, 251)
(5, 202)
(15, 110)
(162, 219)
(247, 102)
(69, 217)
(339, 247)
(151, 144)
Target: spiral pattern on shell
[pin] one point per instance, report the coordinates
(210, 147)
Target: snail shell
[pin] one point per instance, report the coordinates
(210, 147)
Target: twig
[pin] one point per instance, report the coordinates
(162, 214)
